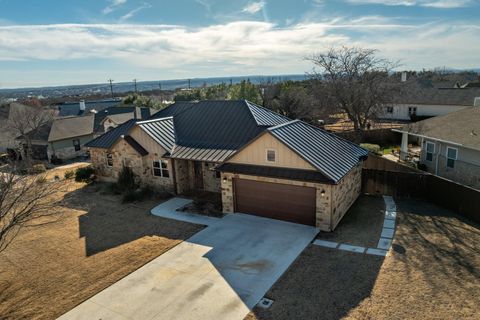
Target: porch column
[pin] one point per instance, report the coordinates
(404, 146)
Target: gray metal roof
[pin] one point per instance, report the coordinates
(201, 154)
(265, 117)
(69, 109)
(330, 154)
(108, 139)
(160, 130)
(415, 93)
(173, 109)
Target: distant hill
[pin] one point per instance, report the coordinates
(122, 87)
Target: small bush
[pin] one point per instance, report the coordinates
(70, 174)
(126, 180)
(41, 180)
(39, 168)
(84, 174)
(373, 148)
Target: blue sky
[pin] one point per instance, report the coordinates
(84, 41)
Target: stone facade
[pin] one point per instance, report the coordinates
(124, 155)
(332, 201)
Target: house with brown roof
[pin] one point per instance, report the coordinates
(450, 145)
(261, 162)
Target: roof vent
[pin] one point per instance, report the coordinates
(476, 102)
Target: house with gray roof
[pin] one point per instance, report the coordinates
(417, 101)
(450, 145)
(261, 162)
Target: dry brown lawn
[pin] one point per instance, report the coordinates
(96, 241)
(433, 272)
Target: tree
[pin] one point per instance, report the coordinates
(142, 101)
(26, 122)
(245, 91)
(25, 201)
(354, 81)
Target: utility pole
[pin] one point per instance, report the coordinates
(111, 87)
(160, 86)
(189, 83)
(135, 83)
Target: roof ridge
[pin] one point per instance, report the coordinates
(283, 124)
(250, 103)
(154, 120)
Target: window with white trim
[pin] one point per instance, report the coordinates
(160, 168)
(412, 111)
(271, 155)
(389, 109)
(430, 150)
(452, 154)
(109, 160)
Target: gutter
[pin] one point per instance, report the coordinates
(432, 138)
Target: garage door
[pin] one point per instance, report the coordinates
(276, 201)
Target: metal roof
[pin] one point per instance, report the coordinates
(330, 154)
(201, 154)
(69, 109)
(265, 117)
(173, 109)
(286, 173)
(66, 128)
(160, 130)
(108, 139)
(135, 145)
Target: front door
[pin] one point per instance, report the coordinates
(198, 175)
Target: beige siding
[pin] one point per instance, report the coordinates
(146, 142)
(256, 154)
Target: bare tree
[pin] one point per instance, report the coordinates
(26, 121)
(26, 201)
(354, 81)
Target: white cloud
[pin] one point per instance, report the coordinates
(113, 6)
(133, 12)
(443, 4)
(254, 7)
(244, 47)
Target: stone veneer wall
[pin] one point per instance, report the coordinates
(124, 154)
(345, 193)
(210, 181)
(323, 203)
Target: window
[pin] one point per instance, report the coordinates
(160, 168)
(76, 144)
(271, 157)
(412, 110)
(109, 160)
(430, 148)
(451, 157)
(390, 109)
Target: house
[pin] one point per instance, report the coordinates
(74, 109)
(38, 141)
(68, 136)
(262, 163)
(112, 117)
(450, 145)
(418, 102)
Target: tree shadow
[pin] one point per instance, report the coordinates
(109, 223)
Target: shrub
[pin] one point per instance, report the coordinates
(84, 174)
(374, 148)
(70, 174)
(126, 180)
(41, 180)
(39, 168)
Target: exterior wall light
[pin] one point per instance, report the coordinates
(224, 179)
(322, 193)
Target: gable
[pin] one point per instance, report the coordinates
(146, 141)
(256, 154)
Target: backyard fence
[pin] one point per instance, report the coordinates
(401, 181)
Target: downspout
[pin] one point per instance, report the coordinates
(436, 159)
(174, 176)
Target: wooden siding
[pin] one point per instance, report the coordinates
(256, 154)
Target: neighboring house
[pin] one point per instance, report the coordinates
(113, 117)
(68, 136)
(38, 141)
(417, 102)
(263, 163)
(450, 145)
(74, 109)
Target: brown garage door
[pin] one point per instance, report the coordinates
(276, 201)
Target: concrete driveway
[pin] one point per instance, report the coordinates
(219, 273)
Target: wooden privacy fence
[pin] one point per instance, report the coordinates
(448, 194)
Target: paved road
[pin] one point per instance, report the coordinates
(219, 273)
